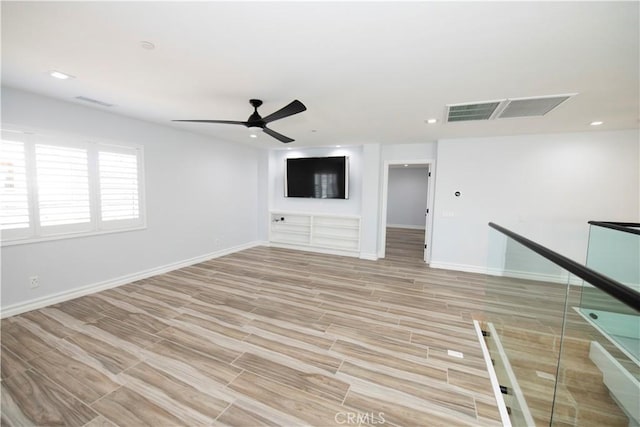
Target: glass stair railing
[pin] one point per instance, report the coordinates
(554, 366)
(614, 250)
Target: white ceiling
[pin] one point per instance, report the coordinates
(367, 72)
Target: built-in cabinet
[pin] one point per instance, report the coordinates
(325, 233)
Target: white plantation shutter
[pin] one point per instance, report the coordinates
(119, 198)
(63, 185)
(57, 186)
(14, 196)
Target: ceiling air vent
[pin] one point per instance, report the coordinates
(94, 101)
(531, 107)
(476, 111)
(505, 108)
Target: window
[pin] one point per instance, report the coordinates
(63, 185)
(118, 186)
(14, 201)
(60, 187)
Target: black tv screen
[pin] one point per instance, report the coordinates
(318, 177)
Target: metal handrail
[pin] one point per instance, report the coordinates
(625, 227)
(616, 289)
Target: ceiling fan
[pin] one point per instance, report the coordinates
(256, 121)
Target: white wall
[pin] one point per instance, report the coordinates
(544, 187)
(400, 152)
(407, 197)
(371, 188)
(201, 194)
(350, 206)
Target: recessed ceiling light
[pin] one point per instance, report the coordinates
(147, 45)
(406, 166)
(60, 75)
(596, 123)
(431, 121)
(253, 135)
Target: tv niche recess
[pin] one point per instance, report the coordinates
(317, 177)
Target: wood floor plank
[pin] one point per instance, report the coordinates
(48, 324)
(100, 421)
(359, 352)
(195, 342)
(309, 408)
(469, 381)
(317, 359)
(78, 310)
(10, 363)
(125, 331)
(151, 306)
(212, 325)
(195, 406)
(113, 358)
(33, 397)
(305, 335)
(219, 371)
(394, 413)
(433, 392)
(313, 383)
(218, 312)
(379, 340)
(236, 416)
(84, 382)
(22, 342)
(126, 408)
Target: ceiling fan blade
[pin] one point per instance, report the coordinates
(280, 137)
(294, 107)
(227, 122)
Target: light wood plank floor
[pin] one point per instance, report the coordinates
(404, 245)
(264, 336)
(261, 337)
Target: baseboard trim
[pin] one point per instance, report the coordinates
(369, 257)
(526, 275)
(409, 227)
(467, 268)
(23, 307)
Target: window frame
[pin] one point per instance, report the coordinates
(96, 226)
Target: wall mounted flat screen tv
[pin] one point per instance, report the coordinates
(317, 177)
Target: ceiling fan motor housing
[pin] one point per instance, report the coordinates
(255, 120)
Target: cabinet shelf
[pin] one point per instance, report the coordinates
(341, 227)
(323, 232)
(301, 233)
(335, 236)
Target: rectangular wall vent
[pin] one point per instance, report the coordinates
(505, 108)
(94, 101)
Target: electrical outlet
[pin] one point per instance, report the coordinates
(34, 282)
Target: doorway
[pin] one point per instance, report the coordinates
(407, 200)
